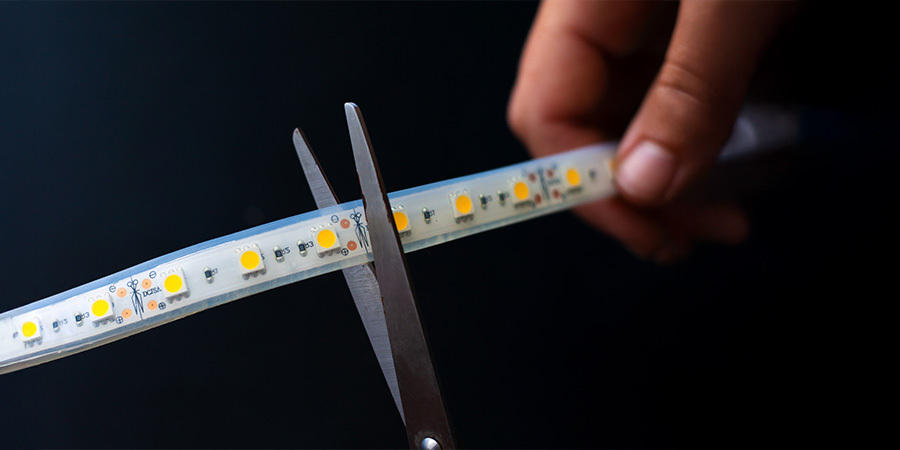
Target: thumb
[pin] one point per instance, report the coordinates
(691, 106)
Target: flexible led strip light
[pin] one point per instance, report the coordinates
(293, 249)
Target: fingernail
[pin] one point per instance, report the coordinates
(646, 172)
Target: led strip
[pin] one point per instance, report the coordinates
(292, 249)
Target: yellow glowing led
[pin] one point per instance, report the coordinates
(463, 204)
(174, 285)
(174, 282)
(520, 190)
(249, 259)
(29, 329)
(100, 308)
(250, 262)
(573, 178)
(401, 220)
(326, 238)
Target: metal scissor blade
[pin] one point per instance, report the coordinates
(321, 188)
(426, 417)
(360, 279)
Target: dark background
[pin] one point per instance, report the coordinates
(132, 130)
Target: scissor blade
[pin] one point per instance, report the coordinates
(321, 188)
(360, 279)
(423, 404)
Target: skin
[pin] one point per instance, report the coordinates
(589, 66)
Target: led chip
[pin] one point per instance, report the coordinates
(461, 204)
(174, 284)
(30, 329)
(250, 261)
(326, 239)
(521, 192)
(401, 220)
(101, 309)
(572, 179)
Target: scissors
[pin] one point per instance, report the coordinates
(384, 296)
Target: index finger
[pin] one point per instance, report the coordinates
(563, 73)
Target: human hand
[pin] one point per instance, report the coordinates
(585, 67)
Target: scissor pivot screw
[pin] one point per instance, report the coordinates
(429, 444)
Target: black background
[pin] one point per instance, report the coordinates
(132, 130)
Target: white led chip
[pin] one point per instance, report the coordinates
(174, 284)
(461, 204)
(401, 220)
(325, 239)
(571, 179)
(250, 261)
(521, 192)
(30, 329)
(101, 309)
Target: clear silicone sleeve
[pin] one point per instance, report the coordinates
(289, 250)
